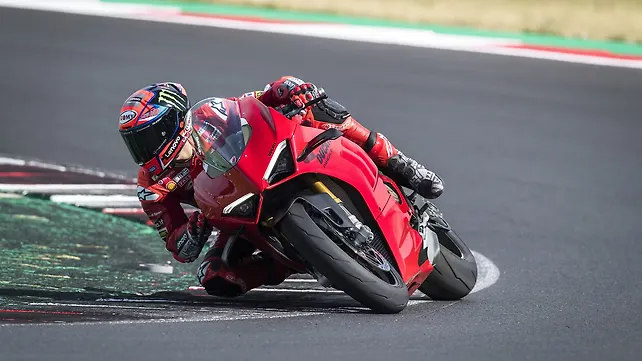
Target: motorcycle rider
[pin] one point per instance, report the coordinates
(153, 127)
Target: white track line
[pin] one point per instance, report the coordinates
(487, 274)
(371, 34)
(7, 187)
(301, 280)
(12, 161)
(97, 201)
(92, 305)
(297, 290)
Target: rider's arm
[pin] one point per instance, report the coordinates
(164, 209)
(169, 218)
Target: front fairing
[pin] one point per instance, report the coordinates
(213, 194)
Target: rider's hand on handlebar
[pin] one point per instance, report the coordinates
(296, 91)
(305, 93)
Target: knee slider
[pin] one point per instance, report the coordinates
(219, 287)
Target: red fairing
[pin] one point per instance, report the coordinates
(340, 159)
(348, 162)
(405, 242)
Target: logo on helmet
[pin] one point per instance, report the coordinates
(151, 113)
(127, 116)
(173, 147)
(171, 99)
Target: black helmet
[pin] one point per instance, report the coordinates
(152, 124)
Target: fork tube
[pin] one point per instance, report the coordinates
(321, 188)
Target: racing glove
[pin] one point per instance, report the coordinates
(290, 90)
(190, 245)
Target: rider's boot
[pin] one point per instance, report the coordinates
(402, 169)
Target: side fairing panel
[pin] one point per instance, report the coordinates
(405, 242)
(345, 160)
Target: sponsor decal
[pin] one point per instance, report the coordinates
(172, 99)
(145, 194)
(182, 177)
(134, 100)
(272, 148)
(181, 242)
(127, 116)
(254, 94)
(171, 185)
(186, 130)
(323, 155)
(163, 233)
(293, 82)
(188, 122)
(172, 147)
(219, 108)
(343, 126)
(151, 114)
(202, 270)
(159, 224)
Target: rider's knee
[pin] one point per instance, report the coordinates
(220, 287)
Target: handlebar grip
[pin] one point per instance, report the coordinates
(308, 104)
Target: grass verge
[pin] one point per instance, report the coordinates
(613, 20)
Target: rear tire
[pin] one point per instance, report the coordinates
(342, 270)
(455, 269)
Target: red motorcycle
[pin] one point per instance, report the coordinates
(317, 203)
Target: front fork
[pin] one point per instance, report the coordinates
(361, 234)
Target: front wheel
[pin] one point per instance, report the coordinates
(455, 269)
(343, 271)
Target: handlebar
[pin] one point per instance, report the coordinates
(296, 109)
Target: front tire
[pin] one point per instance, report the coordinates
(455, 269)
(343, 271)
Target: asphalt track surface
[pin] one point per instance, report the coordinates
(542, 165)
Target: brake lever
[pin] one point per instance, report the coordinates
(312, 102)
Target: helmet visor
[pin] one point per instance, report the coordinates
(146, 141)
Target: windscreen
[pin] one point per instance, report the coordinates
(219, 133)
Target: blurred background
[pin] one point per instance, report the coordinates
(541, 159)
(616, 20)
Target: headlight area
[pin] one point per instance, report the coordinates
(245, 206)
(281, 165)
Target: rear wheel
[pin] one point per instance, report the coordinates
(384, 294)
(455, 269)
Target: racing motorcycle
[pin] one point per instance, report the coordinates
(317, 203)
